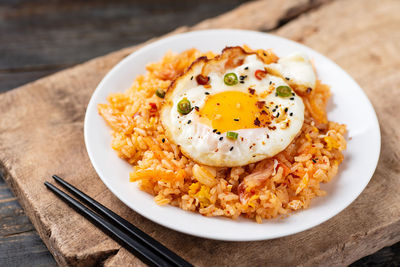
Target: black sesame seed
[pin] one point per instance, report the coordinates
(286, 109)
(220, 139)
(287, 78)
(214, 130)
(292, 98)
(291, 114)
(276, 94)
(246, 68)
(293, 94)
(207, 93)
(231, 148)
(241, 81)
(242, 77)
(274, 110)
(191, 78)
(276, 106)
(218, 132)
(277, 115)
(236, 119)
(264, 54)
(163, 140)
(189, 121)
(196, 108)
(270, 82)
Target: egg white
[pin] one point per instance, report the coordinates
(298, 69)
(198, 141)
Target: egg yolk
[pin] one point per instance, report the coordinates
(234, 110)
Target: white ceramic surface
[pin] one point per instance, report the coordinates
(348, 105)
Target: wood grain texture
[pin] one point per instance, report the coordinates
(51, 110)
(40, 37)
(19, 242)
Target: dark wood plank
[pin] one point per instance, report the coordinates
(20, 244)
(42, 35)
(388, 256)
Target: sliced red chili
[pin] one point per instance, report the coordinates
(202, 80)
(260, 74)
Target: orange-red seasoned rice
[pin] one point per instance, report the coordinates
(261, 190)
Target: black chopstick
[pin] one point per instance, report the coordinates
(124, 224)
(141, 251)
(144, 250)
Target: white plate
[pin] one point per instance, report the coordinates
(348, 105)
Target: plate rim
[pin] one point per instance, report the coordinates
(150, 46)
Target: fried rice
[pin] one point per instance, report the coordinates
(267, 189)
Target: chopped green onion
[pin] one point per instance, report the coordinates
(232, 135)
(184, 106)
(160, 93)
(283, 91)
(230, 79)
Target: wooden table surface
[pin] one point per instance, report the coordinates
(38, 38)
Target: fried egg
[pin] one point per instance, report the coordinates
(241, 110)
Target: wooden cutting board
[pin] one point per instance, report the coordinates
(41, 133)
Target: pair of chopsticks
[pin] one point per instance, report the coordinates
(143, 246)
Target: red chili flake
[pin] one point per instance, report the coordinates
(260, 74)
(260, 104)
(252, 91)
(264, 112)
(196, 108)
(257, 122)
(202, 80)
(153, 107)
